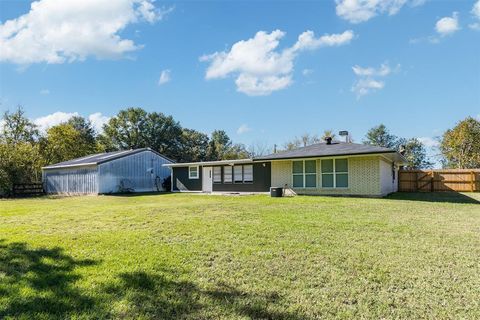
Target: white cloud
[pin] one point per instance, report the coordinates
(429, 142)
(53, 119)
(368, 78)
(97, 120)
(260, 68)
(476, 14)
(244, 128)
(58, 31)
(356, 11)
(447, 25)
(44, 92)
(56, 118)
(164, 77)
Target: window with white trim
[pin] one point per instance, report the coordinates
(217, 174)
(227, 174)
(248, 173)
(304, 173)
(334, 173)
(193, 172)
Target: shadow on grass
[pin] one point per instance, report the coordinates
(137, 194)
(153, 296)
(40, 283)
(452, 197)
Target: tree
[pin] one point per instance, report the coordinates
(328, 133)
(18, 128)
(415, 153)
(380, 136)
(460, 146)
(126, 130)
(134, 128)
(64, 142)
(259, 149)
(19, 163)
(194, 146)
(84, 127)
(304, 140)
(221, 147)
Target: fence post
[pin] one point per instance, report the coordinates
(472, 181)
(432, 188)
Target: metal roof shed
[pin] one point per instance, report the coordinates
(139, 170)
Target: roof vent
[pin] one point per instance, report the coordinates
(328, 140)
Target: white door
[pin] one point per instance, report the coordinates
(207, 179)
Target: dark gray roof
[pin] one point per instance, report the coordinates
(326, 150)
(95, 159)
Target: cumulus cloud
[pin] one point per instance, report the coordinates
(53, 119)
(164, 77)
(58, 31)
(368, 79)
(44, 92)
(356, 11)
(259, 67)
(447, 25)
(476, 14)
(97, 120)
(244, 128)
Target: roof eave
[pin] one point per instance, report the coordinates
(325, 156)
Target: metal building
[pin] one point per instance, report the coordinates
(137, 170)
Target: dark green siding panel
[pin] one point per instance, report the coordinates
(261, 181)
(183, 183)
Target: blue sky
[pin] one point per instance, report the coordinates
(412, 65)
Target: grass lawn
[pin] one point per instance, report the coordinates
(202, 257)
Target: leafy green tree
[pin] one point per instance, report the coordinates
(380, 136)
(18, 128)
(163, 134)
(127, 129)
(195, 146)
(415, 153)
(84, 127)
(20, 162)
(460, 146)
(64, 142)
(221, 147)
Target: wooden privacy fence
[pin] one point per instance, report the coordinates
(459, 180)
(28, 189)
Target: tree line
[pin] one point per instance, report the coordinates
(24, 149)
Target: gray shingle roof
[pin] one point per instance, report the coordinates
(325, 150)
(98, 158)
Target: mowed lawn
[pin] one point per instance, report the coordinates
(240, 257)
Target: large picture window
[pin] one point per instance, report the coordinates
(304, 173)
(335, 173)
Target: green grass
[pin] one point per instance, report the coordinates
(202, 257)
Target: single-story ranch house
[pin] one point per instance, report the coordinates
(329, 168)
(139, 170)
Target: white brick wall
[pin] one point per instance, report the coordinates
(364, 177)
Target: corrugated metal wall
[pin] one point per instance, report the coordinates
(71, 181)
(137, 172)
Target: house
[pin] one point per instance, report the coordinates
(139, 170)
(329, 168)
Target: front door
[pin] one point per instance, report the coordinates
(207, 179)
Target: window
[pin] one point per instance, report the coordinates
(227, 174)
(237, 174)
(193, 172)
(304, 174)
(248, 173)
(217, 174)
(335, 173)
